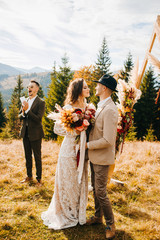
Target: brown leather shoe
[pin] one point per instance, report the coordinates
(110, 231)
(27, 179)
(39, 183)
(94, 220)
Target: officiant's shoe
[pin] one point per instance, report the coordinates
(27, 179)
(110, 232)
(94, 220)
(39, 183)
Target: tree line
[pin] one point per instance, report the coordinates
(146, 110)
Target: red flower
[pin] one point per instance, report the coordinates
(78, 111)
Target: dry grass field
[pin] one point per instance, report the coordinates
(136, 205)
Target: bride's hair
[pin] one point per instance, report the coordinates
(74, 90)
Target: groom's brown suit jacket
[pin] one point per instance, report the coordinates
(33, 119)
(102, 137)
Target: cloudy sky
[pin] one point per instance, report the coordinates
(39, 32)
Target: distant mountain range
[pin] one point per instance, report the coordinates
(10, 71)
(8, 79)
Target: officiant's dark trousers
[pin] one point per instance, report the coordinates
(99, 177)
(35, 147)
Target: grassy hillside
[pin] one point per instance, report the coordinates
(136, 205)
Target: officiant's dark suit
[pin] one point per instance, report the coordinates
(32, 132)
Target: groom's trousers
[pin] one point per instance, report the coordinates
(99, 177)
(35, 147)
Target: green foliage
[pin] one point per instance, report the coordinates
(145, 107)
(2, 113)
(150, 136)
(101, 67)
(114, 97)
(93, 98)
(40, 92)
(5, 133)
(131, 136)
(103, 62)
(56, 94)
(13, 121)
(128, 65)
(59, 139)
(17, 93)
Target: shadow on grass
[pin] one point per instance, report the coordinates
(92, 233)
(122, 235)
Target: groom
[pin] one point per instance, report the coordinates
(101, 150)
(32, 132)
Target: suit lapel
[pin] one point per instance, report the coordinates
(106, 103)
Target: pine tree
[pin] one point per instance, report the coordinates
(2, 113)
(40, 92)
(103, 62)
(101, 67)
(150, 136)
(56, 94)
(17, 92)
(14, 107)
(145, 107)
(128, 65)
(13, 121)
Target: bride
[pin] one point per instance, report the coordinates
(68, 204)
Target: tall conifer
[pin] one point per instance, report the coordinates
(102, 65)
(145, 107)
(17, 92)
(40, 92)
(56, 94)
(14, 107)
(128, 65)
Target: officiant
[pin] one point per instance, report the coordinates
(32, 133)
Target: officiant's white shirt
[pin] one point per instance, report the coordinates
(30, 102)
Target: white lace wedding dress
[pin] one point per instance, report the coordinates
(69, 201)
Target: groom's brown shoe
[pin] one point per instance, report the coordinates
(27, 179)
(94, 220)
(110, 232)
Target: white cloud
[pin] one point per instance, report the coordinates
(39, 32)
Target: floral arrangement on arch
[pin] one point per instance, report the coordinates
(128, 95)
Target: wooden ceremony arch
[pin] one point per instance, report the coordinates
(155, 62)
(156, 32)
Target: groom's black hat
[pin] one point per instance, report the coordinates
(108, 81)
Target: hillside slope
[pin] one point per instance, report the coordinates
(136, 205)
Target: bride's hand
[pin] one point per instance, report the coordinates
(78, 132)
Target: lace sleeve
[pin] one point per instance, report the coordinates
(59, 129)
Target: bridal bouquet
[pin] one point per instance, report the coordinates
(75, 118)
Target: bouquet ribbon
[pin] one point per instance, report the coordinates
(82, 155)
